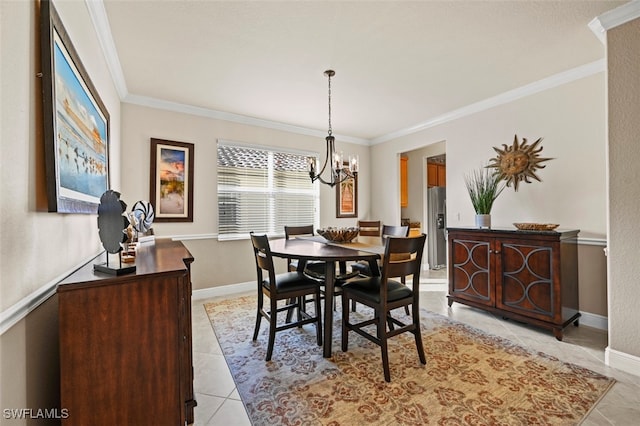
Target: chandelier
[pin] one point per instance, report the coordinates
(339, 171)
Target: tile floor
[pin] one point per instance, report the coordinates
(219, 403)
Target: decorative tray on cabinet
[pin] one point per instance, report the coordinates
(536, 226)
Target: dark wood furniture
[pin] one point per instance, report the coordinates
(292, 286)
(402, 257)
(297, 231)
(369, 228)
(387, 231)
(529, 276)
(305, 249)
(125, 341)
(315, 269)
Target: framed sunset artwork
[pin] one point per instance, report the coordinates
(172, 180)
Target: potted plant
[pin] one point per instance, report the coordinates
(483, 186)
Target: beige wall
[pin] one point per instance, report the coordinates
(592, 279)
(623, 47)
(571, 119)
(37, 248)
(225, 262)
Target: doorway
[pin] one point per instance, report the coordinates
(436, 211)
(414, 207)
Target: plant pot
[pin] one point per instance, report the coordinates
(483, 220)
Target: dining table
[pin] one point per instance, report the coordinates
(317, 248)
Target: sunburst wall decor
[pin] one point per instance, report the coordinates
(518, 162)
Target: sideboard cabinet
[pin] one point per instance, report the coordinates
(528, 276)
(125, 341)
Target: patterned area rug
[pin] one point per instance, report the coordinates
(471, 378)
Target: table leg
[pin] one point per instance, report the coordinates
(329, 283)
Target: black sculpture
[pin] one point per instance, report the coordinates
(112, 228)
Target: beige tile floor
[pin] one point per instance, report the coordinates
(219, 402)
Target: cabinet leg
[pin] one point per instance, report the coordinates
(450, 302)
(576, 323)
(558, 334)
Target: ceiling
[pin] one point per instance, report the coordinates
(398, 63)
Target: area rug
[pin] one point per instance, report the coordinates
(471, 378)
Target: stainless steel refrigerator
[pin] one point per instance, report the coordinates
(436, 226)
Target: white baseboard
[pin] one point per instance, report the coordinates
(594, 321)
(622, 361)
(224, 290)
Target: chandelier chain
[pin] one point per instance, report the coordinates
(330, 105)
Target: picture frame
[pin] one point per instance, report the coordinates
(171, 186)
(347, 197)
(75, 123)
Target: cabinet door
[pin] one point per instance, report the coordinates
(471, 269)
(442, 175)
(525, 282)
(404, 190)
(432, 175)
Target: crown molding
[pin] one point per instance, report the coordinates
(235, 118)
(100, 22)
(501, 99)
(613, 18)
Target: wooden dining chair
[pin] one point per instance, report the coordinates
(290, 286)
(302, 231)
(369, 228)
(383, 295)
(315, 269)
(386, 231)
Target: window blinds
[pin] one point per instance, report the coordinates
(262, 190)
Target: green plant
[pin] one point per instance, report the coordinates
(483, 186)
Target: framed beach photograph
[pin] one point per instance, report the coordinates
(172, 180)
(76, 123)
(347, 197)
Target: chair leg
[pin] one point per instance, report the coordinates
(345, 320)
(382, 334)
(389, 322)
(272, 328)
(418, 335)
(290, 311)
(319, 320)
(258, 316)
(403, 280)
(300, 300)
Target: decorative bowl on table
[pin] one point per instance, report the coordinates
(339, 235)
(536, 226)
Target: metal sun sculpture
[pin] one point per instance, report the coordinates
(518, 162)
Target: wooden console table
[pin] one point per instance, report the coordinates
(529, 276)
(125, 341)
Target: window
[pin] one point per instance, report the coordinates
(262, 190)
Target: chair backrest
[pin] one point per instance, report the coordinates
(393, 231)
(369, 228)
(402, 257)
(292, 231)
(262, 254)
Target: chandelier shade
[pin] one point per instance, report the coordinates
(338, 170)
